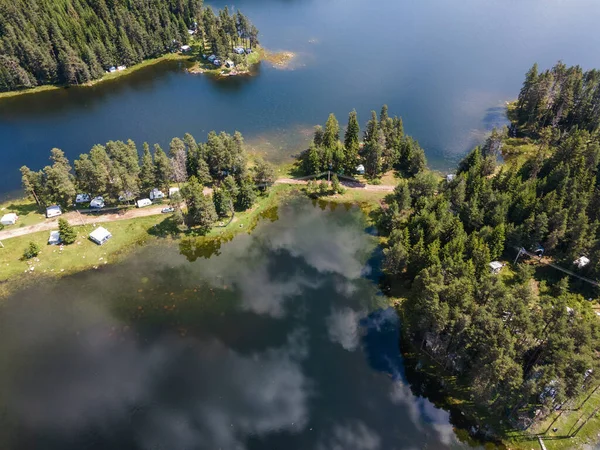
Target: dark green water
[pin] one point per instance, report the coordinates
(280, 340)
(446, 66)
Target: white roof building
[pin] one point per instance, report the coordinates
(100, 235)
(185, 48)
(581, 262)
(450, 177)
(54, 238)
(156, 193)
(496, 266)
(9, 219)
(360, 169)
(53, 211)
(143, 202)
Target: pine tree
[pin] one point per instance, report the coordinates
(201, 211)
(162, 168)
(147, 172)
(351, 143)
(67, 233)
(332, 132)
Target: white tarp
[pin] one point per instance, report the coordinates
(54, 238)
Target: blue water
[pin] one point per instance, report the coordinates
(447, 67)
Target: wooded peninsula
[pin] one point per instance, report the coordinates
(73, 42)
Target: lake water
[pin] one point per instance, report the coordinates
(446, 67)
(279, 340)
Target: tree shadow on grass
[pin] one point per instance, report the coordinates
(23, 209)
(166, 228)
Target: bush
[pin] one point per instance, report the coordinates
(31, 251)
(323, 188)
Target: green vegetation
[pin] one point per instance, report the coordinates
(117, 173)
(385, 147)
(516, 348)
(78, 41)
(67, 233)
(31, 251)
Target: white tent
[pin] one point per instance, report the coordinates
(9, 219)
(100, 235)
(172, 191)
(54, 238)
(360, 169)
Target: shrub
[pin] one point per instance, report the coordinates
(31, 251)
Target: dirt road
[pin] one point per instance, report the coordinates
(76, 218)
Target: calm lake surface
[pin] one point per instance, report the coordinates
(446, 67)
(279, 340)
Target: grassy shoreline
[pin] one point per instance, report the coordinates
(135, 233)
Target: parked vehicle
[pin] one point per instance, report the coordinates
(167, 210)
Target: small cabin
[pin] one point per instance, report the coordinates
(185, 48)
(97, 202)
(173, 191)
(82, 198)
(360, 169)
(143, 202)
(581, 262)
(229, 64)
(156, 194)
(53, 211)
(54, 238)
(9, 219)
(450, 177)
(496, 267)
(100, 235)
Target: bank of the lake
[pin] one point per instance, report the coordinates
(130, 234)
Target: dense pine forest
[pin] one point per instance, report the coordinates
(76, 41)
(524, 344)
(116, 172)
(383, 147)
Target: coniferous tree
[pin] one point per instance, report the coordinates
(67, 233)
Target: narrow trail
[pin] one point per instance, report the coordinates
(75, 218)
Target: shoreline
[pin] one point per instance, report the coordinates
(279, 60)
(130, 234)
(105, 77)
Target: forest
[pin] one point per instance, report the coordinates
(383, 147)
(70, 42)
(522, 344)
(116, 172)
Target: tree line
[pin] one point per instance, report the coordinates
(223, 31)
(116, 172)
(76, 41)
(383, 146)
(559, 98)
(521, 345)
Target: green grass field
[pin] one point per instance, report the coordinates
(127, 235)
